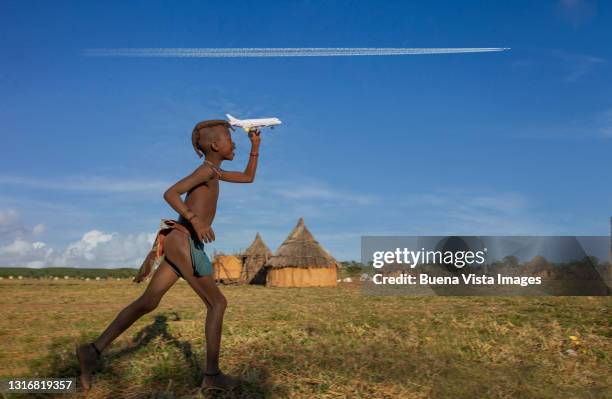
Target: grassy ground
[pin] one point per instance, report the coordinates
(315, 342)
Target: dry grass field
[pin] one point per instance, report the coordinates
(315, 342)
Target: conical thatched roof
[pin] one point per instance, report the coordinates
(254, 259)
(257, 248)
(300, 249)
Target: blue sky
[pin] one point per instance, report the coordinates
(516, 142)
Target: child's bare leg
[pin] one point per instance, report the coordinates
(160, 283)
(215, 302)
(163, 278)
(215, 305)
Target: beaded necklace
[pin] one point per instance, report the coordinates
(213, 167)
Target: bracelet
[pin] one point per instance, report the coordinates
(254, 154)
(189, 211)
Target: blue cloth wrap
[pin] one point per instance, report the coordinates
(199, 259)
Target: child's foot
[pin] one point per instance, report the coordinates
(219, 381)
(88, 360)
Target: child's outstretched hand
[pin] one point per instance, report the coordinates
(205, 233)
(254, 136)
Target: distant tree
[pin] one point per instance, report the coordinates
(511, 261)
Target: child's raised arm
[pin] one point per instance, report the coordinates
(249, 172)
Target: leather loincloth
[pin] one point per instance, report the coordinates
(200, 262)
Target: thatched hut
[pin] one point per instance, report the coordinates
(253, 261)
(301, 261)
(227, 268)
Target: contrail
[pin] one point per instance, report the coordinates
(279, 52)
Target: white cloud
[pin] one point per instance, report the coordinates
(85, 246)
(87, 183)
(576, 12)
(577, 65)
(38, 245)
(38, 229)
(11, 227)
(581, 65)
(244, 209)
(22, 252)
(18, 247)
(274, 214)
(502, 203)
(7, 216)
(94, 249)
(100, 249)
(317, 191)
(597, 124)
(606, 123)
(337, 215)
(462, 213)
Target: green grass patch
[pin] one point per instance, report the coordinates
(316, 342)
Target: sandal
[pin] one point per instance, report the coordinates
(226, 383)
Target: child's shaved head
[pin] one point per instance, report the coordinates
(206, 132)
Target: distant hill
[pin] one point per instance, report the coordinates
(28, 272)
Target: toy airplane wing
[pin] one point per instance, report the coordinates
(250, 124)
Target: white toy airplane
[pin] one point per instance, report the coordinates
(248, 124)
